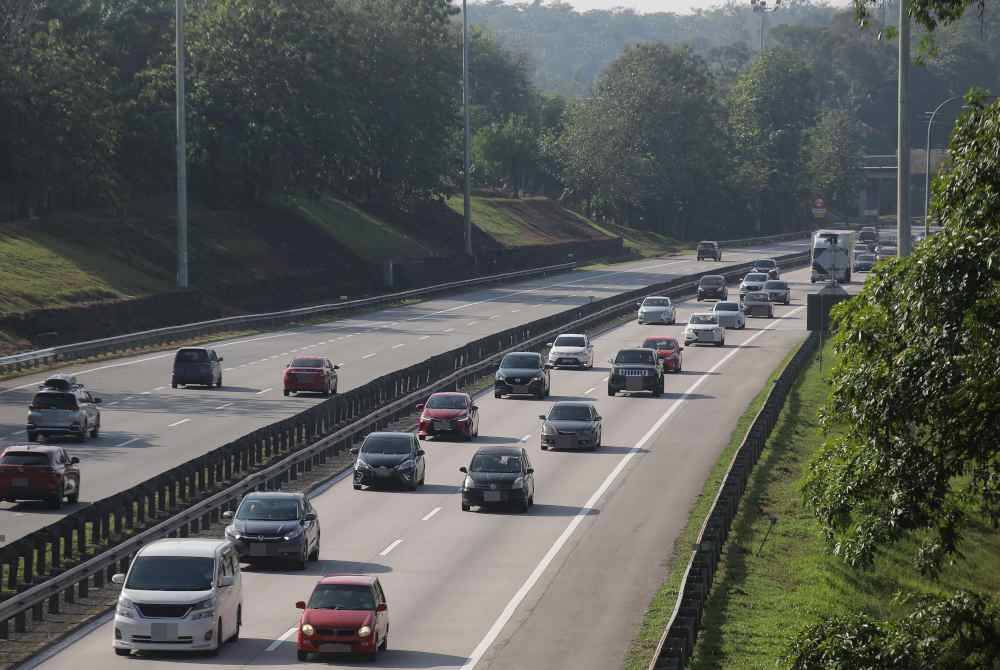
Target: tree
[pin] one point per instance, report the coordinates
(833, 153)
(507, 153)
(918, 381)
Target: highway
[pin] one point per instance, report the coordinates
(563, 586)
(147, 427)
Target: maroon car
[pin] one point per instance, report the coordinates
(668, 350)
(311, 375)
(449, 414)
(345, 614)
(33, 472)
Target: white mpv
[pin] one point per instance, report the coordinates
(179, 594)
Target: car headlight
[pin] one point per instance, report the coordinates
(547, 429)
(294, 533)
(232, 533)
(500, 377)
(361, 465)
(307, 630)
(364, 631)
(518, 483)
(125, 607)
(469, 483)
(539, 377)
(463, 418)
(408, 464)
(204, 609)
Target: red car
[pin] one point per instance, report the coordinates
(39, 473)
(669, 351)
(345, 614)
(449, 413)
(313, 375)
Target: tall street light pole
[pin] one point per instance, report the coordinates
(927, 164)
(467, 199)
(182, 205)
(760, 7)
(903, 134)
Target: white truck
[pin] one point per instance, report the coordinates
(832, 255)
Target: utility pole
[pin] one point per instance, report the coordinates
(903, 134)
(182, 205)
(467, 200)
(927, 164)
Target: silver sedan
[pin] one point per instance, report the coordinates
(571, 425)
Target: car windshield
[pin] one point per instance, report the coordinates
(192, 356)
(634, 356)
(24, 458)
(569, 413)
(495, 463)
(268, 509)
(775, 285)
(171, 573)
(570, 341)
(656, 302)
(522, 361)
(447, 402)
(342, 597)
(712, 281)
(702, 319)
(387, 444)
(726, 307)
(764, 264)
(54, 401)
(659, 344)
(755, 276)
(307, 363)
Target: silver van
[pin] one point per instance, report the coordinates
(71, 413)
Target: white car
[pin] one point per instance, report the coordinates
(656, 309)
(753, 281)
(179, 595)
(730, 314)
(571, 350)
(704, 329)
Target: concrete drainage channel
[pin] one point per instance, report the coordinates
(311, 447)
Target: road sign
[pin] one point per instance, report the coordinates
(819, 208)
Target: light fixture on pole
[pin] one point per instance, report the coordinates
(927, 163)
(903, 222)
(761, 7)
(467, 160)
(182, 205)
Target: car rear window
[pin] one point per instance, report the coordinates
(192, 356)
(307, 363)
(659, 344)
(706, 245)
(24, 458)
(54, 401)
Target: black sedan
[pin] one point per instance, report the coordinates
(522, 373)
(636, 370)
(499, 476)
(275, 524)
(386, 459)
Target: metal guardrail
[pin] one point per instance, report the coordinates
(679, 636)
(194, 494)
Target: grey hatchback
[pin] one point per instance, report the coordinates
(571, 425)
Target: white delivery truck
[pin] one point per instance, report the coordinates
(832, 255)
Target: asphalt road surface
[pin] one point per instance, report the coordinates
(147, 427)
(563, 586)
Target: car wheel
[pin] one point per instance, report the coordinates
(523, 508)
(286, 392)
(56, 502)
(218, 640)
(543, 446)
(611, 391)
(658, 391)
(302, 655)
(497, 395)
(173, 385)
(74, 497)
(95, 431)
(788, 302)
(357, 487)
(300, 562)
(385, 640)
(82, 436)
(465, 507)
(314, 556)
(373, 656)
(239, 622)
(122, 652)
(220, 382)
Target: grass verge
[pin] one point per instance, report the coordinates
(516, 222)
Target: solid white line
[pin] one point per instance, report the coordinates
(128, 442)
(590, 390)
(177, 423)
(224, 406)
(429, 515)
(269, 388)
(508, 611)
(284, 636)
(368, 356)
(397, 346)
(385, 552)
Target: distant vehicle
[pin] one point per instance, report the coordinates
(656, 309)
(387, 459)
(448, 414)
(39, 473)
(885, 251)
(832, 253)
(571, 350)
(499, 476)
(709, 249)
(64, 414)
(60, 382)
(315, 375)
(767, 266)
(668, 350)
(712, 286)
(757, 303)
(704, 329)
(179, 595)
(868, 234)
(275, 524)
(636, 371)
(753, 281)
(865, 262)
(197, 365)
(522, 373)
(345, 614)
(571, 425)
(730, 314)
(778, 291)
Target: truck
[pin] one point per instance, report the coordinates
(832, 256)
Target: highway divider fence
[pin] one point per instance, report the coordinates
(676, 645)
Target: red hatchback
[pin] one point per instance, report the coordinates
(39, 473)
(449, 413)
(668, 350)
(311, 375)
(346, 614)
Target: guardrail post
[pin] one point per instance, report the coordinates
(83, 588)
(54, 604)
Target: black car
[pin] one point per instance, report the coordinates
(522, 373)
(709, 249)
(499, 476)
(197, 365)
(386, 459)
(767, 266)
(712, 286)
(275, 525)
(864, 262)
(636, 370)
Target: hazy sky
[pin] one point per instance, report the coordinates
(675, 6)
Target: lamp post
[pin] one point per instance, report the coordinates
(467, 160)
(903, 222)
(182, 205)
(761, 7)
(927, 163)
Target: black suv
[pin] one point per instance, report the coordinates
(275, 524)
(712, 286)
(522, 373)
(708, 249)
(196, 365)
(636, 370)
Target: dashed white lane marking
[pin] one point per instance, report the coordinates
(425, 337)
(429, 515)
(385, 552)
(449, 330)
(514, 311)
(472, 323)
(224, 406)
(368, 356)
(284, 636)
(128, 442)
(178, 423)
(159, 388)
(590, 390)
(495, 316)
(262, 392)
(605, 379)
(526, 438)
(397, 346)
(127, 398)
(113, 403)
(227, 369)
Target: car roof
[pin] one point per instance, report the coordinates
(522, 353)
(635, 349)
(708, 242)
(722, 277)
(194, 349)
(657, 296)
(571, 335)
(449, 393)
(40, 448)
(389, 433)
(571, 403)
(725, 302)
(191, 546)
(499, 451)
(659, 338)
(274, 495)
(358, 580)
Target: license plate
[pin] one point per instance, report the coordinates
(520, 390)
(258, 549)
(384, 472)
(163, 632)
(442, 425)
(491, 496)
(334, 648)
(567, 441)
(633, 383)
(20, 483)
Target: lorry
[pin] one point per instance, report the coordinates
(832, 255)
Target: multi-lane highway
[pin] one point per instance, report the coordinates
(563, 586)
(147, 427)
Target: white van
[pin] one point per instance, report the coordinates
(179, 594)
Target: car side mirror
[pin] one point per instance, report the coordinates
(300, 605)
(381, 607)
(420, 406)
(421, 452)
(475, 407)
(97, 401)
(548, 344)
(288, 365)
(74, 460)
(464, 469)
(355, 450)
(31, 407)
(221, 359)
(337, 366)
(311, 516)
(548, 367)
(227, 581)
(228, 514)
(530, 471)
(542, 417)
(118, 578)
